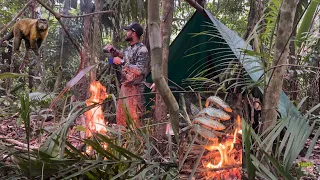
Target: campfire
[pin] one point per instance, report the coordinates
(94, 117)
(223, 158)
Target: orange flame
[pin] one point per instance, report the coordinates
(225, 150)
(227, 158)
(239, 123)
(224, 159)
(221, 148)
(95, 118)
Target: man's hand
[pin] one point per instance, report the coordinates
(108, 48)
(117, 60)
(153, 87)
(112, 50)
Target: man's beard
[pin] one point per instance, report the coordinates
(128, 39)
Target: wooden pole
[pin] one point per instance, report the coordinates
(197, 6)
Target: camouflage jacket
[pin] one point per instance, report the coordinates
(137, 64)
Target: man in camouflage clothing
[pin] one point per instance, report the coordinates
(135, 64)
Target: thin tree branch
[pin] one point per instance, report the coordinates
(15, 142)
(16, 17)
(84, 15)
(56, 15)
(197, 6)
(179, 19)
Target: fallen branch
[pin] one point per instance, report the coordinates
(16, 17)
(16, 148)
(21, 148)
(17, 143)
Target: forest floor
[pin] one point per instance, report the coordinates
(311, 167)
(13, 134)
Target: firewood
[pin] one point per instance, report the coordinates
(17, 143)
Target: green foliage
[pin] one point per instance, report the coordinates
(247, 141)
(232, 13)
(127, 156)
(8, 10)
(25, 116)
(306, 22)
(11, 75)
(288, 147)
(110, 163)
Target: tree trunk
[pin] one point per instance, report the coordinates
(96, 46)
(81, 89)
(117, 37)
(32, 70)
(251, 19)
(117, 30)
(65, 11)
(274, 88)
(156, 64)
(293, 85)
(165, 26)
(86, 7)
(86, 31)
(201, 2)
(59, 75)
(255, 14)
(39, 69)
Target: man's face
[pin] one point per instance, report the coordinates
(129, 35)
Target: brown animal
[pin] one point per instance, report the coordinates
(33, 31)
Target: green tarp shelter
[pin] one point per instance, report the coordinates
(206, 42)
